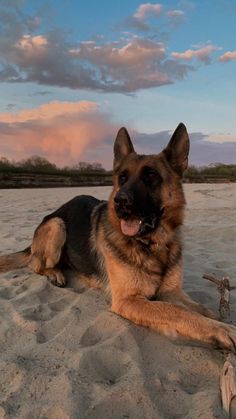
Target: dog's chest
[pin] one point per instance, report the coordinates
(147, 285)
(148, 274)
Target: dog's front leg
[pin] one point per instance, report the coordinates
(178, 296)
(173, 320)
(171, 291)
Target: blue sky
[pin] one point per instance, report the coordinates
(72, 72)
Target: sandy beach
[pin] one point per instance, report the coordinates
(64, 355)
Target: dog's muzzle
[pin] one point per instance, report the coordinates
(132, 223)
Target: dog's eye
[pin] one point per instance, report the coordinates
(152, 177)
(123, 178)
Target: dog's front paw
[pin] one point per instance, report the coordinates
(57, 278)
(224, 336)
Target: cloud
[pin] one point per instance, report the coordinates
(228, 56)
(146, 10)
(206, 152)
(44, 60)
(125, 65)
(32, 44)
(222, 138)
(59, 131)
(10, 106)
(41, 93)
(121, 66)
(175, 14)
(144, 19)
(154, 143)
(48, 111)
(202, 54)
(137, 64)
(68, 132)
(204, 149)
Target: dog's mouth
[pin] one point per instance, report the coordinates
(131, 226)
(139, 227)
(139, 221)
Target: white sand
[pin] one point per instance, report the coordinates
(64, 355)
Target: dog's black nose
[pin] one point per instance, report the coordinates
(124, 199)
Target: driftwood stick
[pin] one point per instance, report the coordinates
(217, 281)
(212, 279)
(224, 288)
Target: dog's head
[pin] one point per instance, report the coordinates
(147, 188)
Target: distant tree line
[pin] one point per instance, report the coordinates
(217, 170)
(40, 165)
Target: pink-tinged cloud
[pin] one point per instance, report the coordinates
(147, 9)
(119, 66)
(228, 56)
(48, 111)
(130, 55)
(137, 64)
(175, 15)
(222, 138)
(30, 43)
(59, 131)
(202, 54)
(68, 132)
(51, 58)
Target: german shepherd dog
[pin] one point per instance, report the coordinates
(131, 244)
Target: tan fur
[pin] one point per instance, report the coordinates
(47, 244)
(46, 249)
(130, 292)
(91, 282)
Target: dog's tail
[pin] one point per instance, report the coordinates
(15, 260)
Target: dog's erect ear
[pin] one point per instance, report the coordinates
(177, 149)
(122, 147)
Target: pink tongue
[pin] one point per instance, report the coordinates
(130, 227)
